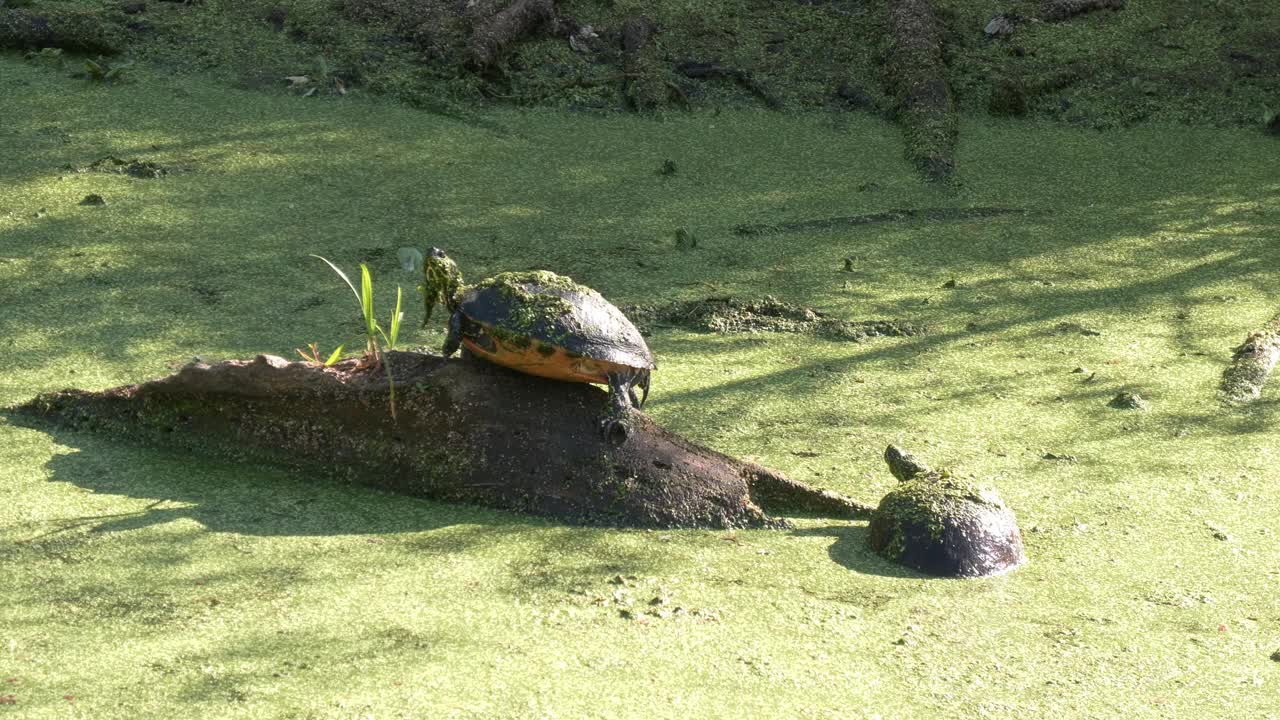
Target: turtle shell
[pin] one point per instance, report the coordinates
(552, 315)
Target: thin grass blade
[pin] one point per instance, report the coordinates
(395, 321)
(342, 275)
(366, 298)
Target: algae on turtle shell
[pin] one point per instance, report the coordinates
(532, 310)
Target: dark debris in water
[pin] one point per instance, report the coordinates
(141, 169)
(839, 223)
(1129, 401)
(768, 314)
(1075, 328)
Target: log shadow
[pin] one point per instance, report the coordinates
(850, 550)
(242, 498)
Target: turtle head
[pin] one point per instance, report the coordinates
(441, 282)
(903, 464)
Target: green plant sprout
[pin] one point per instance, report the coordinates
(374, 353)
(103, 72)
(314, 355)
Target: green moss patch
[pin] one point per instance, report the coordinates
(730, 315)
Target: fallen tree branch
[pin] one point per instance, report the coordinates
(1251, 364)
(466, 431)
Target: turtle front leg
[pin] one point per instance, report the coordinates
(453, 340)
(615, 425)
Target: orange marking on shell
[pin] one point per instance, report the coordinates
(556, 366)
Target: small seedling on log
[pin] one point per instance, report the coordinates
(374, 353)
(312, 355)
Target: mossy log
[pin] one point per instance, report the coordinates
(916, 78)
(1058, 10)
(644, 85)
(491, 39)
(464, 431)
(81, 31)
(1251, 364)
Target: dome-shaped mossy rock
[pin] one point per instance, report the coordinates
(944, 525)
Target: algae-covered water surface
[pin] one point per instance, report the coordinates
(137, 580)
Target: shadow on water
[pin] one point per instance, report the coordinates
(850, 550)
(254, 499)
(248, 498)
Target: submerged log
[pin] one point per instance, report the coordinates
(464, 431)
(1251, 364)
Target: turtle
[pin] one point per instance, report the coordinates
(942, 524)
(544, 324)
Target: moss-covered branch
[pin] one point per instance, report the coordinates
(1251, 364)
(83, 31)
(1057, 10)
(916, 78)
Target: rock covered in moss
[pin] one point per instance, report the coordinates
(944, 525)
